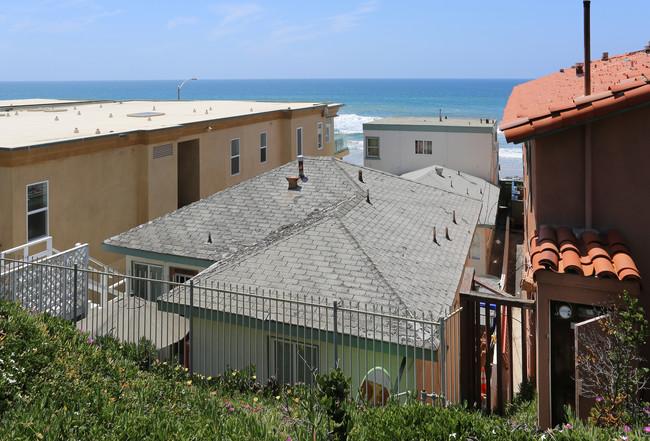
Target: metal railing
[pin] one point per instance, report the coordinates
(286, 336)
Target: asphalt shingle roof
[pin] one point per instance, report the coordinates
(464, 184)
(325, 239)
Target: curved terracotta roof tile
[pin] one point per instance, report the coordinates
(591, 255)
(535, 107)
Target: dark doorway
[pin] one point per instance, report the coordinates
(189, 172)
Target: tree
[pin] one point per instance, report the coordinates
(611, 367)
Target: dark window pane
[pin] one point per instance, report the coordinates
(263, 155)
(234, 165)
(37, 196)
(36, 225)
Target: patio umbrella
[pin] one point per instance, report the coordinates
(129, 319)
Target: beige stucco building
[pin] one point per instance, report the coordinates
(401, 145)
(83, 171)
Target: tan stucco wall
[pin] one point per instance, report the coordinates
(7, 208)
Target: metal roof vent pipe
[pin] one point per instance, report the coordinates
(580, 69)
(368, 196)
(605, 56)
(587, 4)
(360, 175)
(440, 115)
(301, 170)
(647, 48)
(439, 171)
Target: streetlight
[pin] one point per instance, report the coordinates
(179, 87)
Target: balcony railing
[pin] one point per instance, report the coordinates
(340, 145)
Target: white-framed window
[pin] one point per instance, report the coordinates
(372, 147)
(320, 135)
(262, 147)
(328, 130)
(234, 156)
(38, 207)
(293, 361)
(423, 147)
(299, 141)
(147, 289)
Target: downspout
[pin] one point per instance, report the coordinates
(587, 134)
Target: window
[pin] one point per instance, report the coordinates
(234, 156)
(37, 211)
(320, 135)
(147, 289)
(293, 362)
(328, 130)
(372, 147)
(180, 275)
(263, 147)
(299, 141)
(423, 147)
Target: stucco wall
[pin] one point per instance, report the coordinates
(471, 153)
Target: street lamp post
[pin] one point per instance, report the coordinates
(179, 87)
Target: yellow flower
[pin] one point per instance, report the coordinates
(189, 383)
(254, 377)
(255, 400)
(234, 373)
(209, 378)
(296, 400)
(278, 397)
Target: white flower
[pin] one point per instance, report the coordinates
(453, 435)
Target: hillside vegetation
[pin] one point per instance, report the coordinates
(58, 383)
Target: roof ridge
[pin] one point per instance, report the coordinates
(373, 266)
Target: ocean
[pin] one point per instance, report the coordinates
(365, 100)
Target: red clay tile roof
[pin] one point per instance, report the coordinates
(558, 100)
(591, 255)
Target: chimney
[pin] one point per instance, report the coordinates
(301, 172)
(647, 48)
(440, 115)
(587, 4)
(209, 237)
(579, 69)
(360, 175)
(454, 216)
(435, 239)
(605, 56)
(447, 233)
(368, 196)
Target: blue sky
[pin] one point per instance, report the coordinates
(133, 40)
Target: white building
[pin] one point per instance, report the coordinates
(400, 145)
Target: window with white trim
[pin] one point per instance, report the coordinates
(293, 361)
(320, 135)
(299, 141)
(37, 210)
(262, 147)
(145, 285)
(234, 156)
(372, 147)
(423, 147)
(328, 130)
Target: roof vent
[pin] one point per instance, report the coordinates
(110, 115)
(194, 111)
(76, 130)
(580, 68)
(100, 106)
(435, 239)
(605, 56)
(293, 182)
(154, 108)
(56, 118)
(301, 170)
(439, 171)
(16, 114)
(97, 132)
(561, 70)
(647, 48)
(78, 112)
(368, 196)
(210, 109)
(206, 112)
(360, 175)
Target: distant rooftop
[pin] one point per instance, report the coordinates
(461, 183)
(429, 123)
(34, 122)
(558, 100)
(323, 239)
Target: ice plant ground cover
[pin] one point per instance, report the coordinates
(57, 383)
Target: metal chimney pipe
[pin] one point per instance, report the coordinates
(587, 4)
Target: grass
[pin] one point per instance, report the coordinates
(57, 383)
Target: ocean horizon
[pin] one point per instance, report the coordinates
(365, 100)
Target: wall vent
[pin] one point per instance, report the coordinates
(162, 151)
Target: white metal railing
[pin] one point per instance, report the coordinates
(286, 336)
(22, 252)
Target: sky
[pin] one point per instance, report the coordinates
(54, 40)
